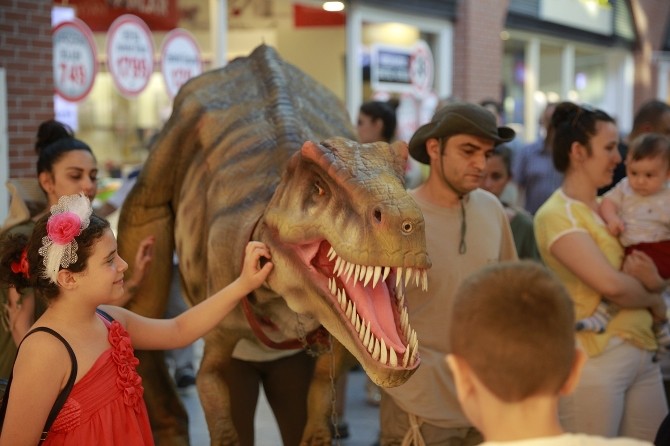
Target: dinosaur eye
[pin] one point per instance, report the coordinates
(318, 189)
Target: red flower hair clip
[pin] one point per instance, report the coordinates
(21, 266)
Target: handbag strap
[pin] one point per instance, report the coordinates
(62, 396)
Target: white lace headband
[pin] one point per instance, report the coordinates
(59, 248)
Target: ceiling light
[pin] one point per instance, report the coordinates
(333, 6)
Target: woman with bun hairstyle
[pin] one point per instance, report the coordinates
(65, 166)
(620, 392)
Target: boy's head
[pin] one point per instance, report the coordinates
(648, 163)
(512, 335)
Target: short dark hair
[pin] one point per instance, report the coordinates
(385, 112)
(573, 123)
(505, 153)
(513, 324)
(651, 113)
(649, 145)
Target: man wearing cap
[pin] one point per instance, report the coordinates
(466, 229)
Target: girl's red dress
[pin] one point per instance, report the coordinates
(105, 407)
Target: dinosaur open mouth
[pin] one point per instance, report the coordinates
(371, 298)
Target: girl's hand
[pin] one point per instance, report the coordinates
(143, 257)
(253, 275)
(642, 267)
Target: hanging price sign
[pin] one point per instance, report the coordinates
(75, 60)
(180, 60)
(130, 54)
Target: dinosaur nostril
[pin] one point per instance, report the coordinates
(378, 215)
(407, 227)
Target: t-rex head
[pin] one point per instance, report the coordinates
(353, 238)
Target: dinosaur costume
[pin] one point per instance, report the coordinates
(236, 162)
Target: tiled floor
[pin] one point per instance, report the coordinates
(362, 418)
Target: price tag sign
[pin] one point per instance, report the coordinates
(180, 60)
(130, 54)
(75, 60)
(421, 69)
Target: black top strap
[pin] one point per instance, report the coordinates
(104, 314)
(64, 393)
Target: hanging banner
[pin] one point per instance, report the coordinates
(159, 15)
(180, 60)
(130, 54)
(75, 60)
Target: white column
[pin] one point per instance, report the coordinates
(567, 71)
(218, 31)
(444, 61)
(530, 86)
(354, 76)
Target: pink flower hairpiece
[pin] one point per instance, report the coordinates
(21, 265)
(68, 218)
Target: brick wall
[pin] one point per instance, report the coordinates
(25, 54)
(478, 49)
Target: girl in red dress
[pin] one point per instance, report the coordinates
(71, 259)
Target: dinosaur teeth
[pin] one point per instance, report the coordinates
(368, 275)
(405, 358)
(331, 254)
(398, 277)
(377, 275)
(417, 275)
(424, 286)
(348, 270)
(354, 315)
(371, 343)
(366, 336)
(347, 312)
(361, 330)
(376, 350)
(393, 358)
(387, 270)
(337, 265)
(384, 352)
(408, 275)
(357, 325)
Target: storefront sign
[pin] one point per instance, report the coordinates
(75, 62)
(402, 69)
(180, 60)
(130, 54)
(159, 15)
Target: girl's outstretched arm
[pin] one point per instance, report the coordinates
(166, 334)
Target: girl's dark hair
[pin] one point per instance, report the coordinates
(51, 131)
(649, 145)
(385, 112)
(573, 123)
(49, 155)
(11, 247)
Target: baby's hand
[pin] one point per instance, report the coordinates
(615, 226)
(253, 274)
(642, 267)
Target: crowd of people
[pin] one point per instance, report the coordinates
(555, 307)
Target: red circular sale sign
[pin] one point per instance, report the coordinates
(180, 60)
(75, 60)
(130, 54)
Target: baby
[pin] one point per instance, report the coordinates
(637, 210)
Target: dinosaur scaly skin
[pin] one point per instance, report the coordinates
(237, 162)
